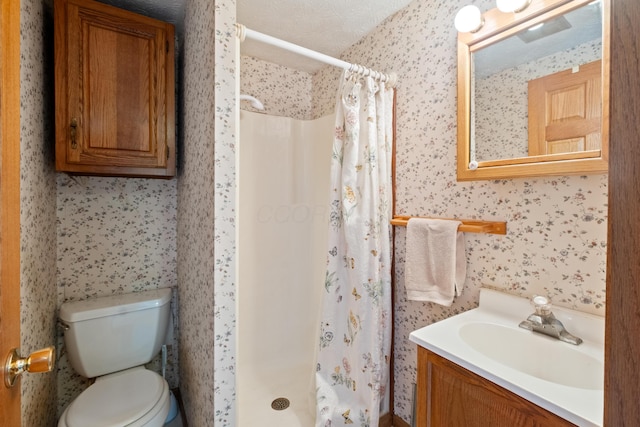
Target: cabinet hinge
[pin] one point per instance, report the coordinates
(167, 152)
(166, 44)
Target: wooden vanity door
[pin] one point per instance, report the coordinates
(565, 111)
(451, 396)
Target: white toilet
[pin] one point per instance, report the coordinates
(111, 338)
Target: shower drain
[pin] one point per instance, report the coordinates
(280, 403)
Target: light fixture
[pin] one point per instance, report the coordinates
(544, 29)
(468, 19)
(536, 27)
(509, 6)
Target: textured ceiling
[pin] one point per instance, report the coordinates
(326, 26)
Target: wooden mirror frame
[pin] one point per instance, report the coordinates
(498, 26)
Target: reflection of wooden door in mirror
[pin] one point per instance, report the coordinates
(565, 111)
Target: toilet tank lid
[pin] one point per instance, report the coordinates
(77, 311)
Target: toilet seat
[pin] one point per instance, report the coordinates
(134, 397)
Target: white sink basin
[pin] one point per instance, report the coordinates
(563, 378)
(533, 354)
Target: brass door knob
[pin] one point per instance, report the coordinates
(39, 361)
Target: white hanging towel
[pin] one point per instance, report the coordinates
(436, 265)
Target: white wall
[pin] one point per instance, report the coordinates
(283, 192)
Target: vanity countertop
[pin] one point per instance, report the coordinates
(560, 377)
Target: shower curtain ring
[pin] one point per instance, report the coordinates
(392, 79)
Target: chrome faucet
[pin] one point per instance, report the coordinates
(543, 321)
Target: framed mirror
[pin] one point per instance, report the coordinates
(533, 92)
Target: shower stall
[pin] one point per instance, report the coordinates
(284, 174)
(283, 186)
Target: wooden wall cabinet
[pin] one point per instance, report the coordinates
(449, 395)
(115, 91)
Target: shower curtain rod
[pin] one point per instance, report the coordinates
(243, 32)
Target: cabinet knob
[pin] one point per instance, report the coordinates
(74, 128)
(38, 361)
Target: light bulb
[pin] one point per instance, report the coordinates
(468, 19)
(508, 6)
(536, 27)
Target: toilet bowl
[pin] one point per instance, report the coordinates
(110, 339)
(134, 398)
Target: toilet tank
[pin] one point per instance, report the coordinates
(109, 334)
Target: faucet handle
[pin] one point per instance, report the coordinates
(542, 305)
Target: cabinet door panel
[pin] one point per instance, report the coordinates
(452, 396)
(116, 69)
(118, 97)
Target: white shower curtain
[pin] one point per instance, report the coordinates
(355, 329)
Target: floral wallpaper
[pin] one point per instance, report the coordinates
(195, 215)
(114, 236)
(283, 91)
(556, 227)
(564, 218)
(206, 214)
(37, 207)
(224, 214)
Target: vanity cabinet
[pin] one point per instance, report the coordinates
(115, 91)
(449, 395)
